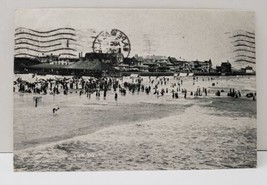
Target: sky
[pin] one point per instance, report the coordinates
(189, 34)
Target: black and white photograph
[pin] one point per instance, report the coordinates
(134, 89)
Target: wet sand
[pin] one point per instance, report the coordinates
(192, 140)
(78, 116)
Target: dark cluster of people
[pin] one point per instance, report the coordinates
(251, 95)
(234, 93)
(27, 87)
(200, 92)
(158, 86)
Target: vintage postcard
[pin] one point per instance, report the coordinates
(134, 89)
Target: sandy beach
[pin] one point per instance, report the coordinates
(139, 132)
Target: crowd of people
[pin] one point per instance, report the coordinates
(157, 86)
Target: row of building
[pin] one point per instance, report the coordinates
(172, 64)
(115, 63)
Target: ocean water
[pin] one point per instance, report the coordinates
(138, 131)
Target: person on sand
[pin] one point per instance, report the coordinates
(36, 101)
(173, 94)
(55, 110)
(116, 96)
(105, 94)
(176, 95)
(97, 95)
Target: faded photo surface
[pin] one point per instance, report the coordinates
(126, 89)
